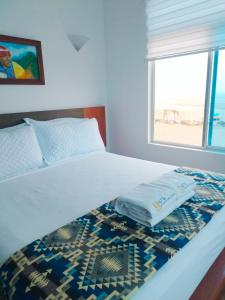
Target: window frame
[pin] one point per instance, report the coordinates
(210, 95)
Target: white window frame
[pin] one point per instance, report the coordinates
(151, 105)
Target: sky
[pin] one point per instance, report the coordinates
(182, 78)
(221, 73)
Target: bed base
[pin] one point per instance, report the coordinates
(212, 286)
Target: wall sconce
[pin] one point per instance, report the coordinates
(78, 41)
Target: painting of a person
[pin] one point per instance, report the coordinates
(8, 68)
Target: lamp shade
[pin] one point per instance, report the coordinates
(78, 41)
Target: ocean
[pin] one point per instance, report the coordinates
(220, 106)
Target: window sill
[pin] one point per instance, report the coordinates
(214, 150)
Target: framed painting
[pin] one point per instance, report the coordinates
(20, 61)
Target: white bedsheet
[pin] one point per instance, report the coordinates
(37, 203)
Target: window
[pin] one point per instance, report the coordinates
(217, 116)
(188, 100)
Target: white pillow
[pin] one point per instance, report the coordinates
(19, 151)
(63, 139)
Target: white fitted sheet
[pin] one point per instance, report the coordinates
(37, 203)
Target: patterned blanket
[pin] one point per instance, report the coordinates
(104, 255)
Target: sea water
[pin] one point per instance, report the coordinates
(218, 132)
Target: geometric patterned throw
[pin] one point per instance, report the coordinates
(104, 255)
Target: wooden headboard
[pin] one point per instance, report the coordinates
(98, 112)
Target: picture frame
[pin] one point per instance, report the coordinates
(21, 61)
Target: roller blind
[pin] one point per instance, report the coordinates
(180, 26)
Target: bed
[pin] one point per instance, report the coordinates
(51, 197)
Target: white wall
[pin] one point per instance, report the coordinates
(78, 79)
(73, 79)
(128, 91)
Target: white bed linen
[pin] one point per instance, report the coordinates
(37, 203)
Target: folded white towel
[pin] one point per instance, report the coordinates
(149, 203)
(181, 183)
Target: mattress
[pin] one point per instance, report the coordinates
(51, 197)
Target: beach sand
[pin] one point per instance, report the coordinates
(178, 133)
